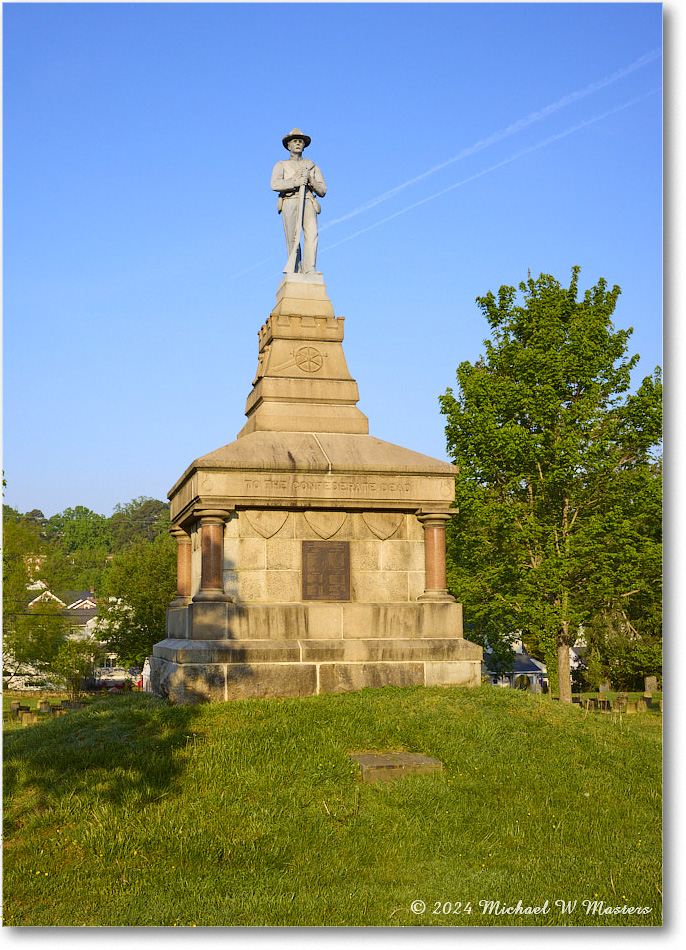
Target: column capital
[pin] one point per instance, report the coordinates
(181, 536)
(435, 517)
(212, 515)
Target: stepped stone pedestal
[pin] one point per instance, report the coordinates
(311, 555)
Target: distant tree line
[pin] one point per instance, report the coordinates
(76, 544)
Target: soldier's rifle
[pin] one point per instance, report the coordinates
(293, 256)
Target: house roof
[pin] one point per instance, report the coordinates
(527, 664)
(71, 600)
(44, 596)
(81, 617)
(75, 596)
(85, 603)
(523, 663)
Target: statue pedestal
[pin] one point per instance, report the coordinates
(317, 552)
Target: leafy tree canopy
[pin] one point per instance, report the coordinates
(72, 663)
(32, 638)
(137, 587)
(556, 490)
(78, 528)
(142, 519)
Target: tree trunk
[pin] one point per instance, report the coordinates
(564, 673)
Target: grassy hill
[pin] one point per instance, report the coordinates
(134, 812)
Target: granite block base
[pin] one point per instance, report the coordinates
(305, 650)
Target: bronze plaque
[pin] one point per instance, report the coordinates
(326, 570)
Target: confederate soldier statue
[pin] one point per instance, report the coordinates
(298, 182)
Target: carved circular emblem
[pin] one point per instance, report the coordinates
(309, 359)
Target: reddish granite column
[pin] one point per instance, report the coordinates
(183, 568)
(212, 551)
(435, 582)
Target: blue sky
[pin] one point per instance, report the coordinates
(462, 144)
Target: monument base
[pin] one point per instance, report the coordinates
(339, 648)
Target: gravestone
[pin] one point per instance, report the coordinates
(310, 554)
(604, 687)
(389, 766)
(650, 684)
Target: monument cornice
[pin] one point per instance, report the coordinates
(348, 491)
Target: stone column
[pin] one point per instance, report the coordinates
(183, 568)
(212, 551)
(435, 582)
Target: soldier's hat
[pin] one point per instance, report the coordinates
(296, 134)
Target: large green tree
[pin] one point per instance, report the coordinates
(557, 503)
(138, 586)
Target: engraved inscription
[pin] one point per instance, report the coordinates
(326, 570)
(347, 487)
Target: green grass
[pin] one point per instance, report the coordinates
(133, 812)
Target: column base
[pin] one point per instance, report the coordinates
(212, 596)
(436, 597)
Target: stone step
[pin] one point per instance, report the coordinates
(315, 651)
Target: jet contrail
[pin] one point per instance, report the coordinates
(506, 161)
(507, 132)
(247, 270)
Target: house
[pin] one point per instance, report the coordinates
(80, 607)
(527, 673)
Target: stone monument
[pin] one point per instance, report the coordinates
(311, 555)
